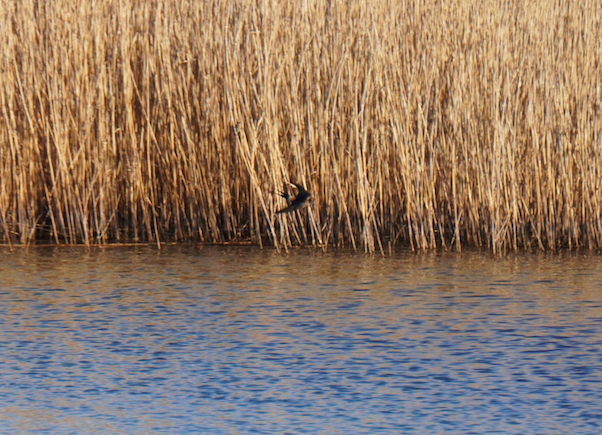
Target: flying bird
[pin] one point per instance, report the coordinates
(295, 202)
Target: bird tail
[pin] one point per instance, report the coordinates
(286, 196)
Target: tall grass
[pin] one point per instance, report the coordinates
(451, 123)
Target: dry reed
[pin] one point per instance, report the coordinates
(435, 124)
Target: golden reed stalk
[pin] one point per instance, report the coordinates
(435, 124)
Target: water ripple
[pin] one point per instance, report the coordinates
(220, 341)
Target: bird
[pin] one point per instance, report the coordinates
(296, 202)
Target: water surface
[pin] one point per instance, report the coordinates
(193, 340)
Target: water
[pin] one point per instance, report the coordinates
(244, 341)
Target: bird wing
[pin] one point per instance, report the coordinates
(288, 209)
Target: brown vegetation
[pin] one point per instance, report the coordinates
(429, 123)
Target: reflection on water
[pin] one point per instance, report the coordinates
(237, 341)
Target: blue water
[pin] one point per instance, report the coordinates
(244, 341)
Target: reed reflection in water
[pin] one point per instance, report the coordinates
(240, 340)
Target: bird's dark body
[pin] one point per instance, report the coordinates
(295, 202)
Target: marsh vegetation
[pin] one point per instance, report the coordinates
(432, 124)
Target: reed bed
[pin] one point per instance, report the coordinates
(432, 124)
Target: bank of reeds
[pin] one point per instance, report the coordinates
(450, 123)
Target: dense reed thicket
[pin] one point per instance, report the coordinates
(444, 123)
